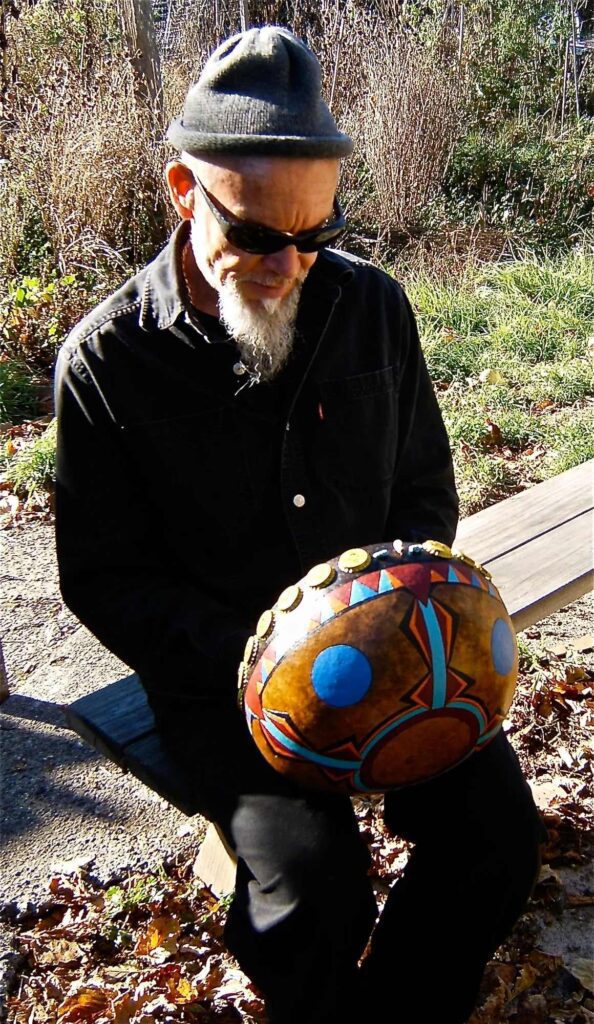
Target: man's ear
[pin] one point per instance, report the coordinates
(180, 182)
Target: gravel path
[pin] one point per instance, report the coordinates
(61, 801)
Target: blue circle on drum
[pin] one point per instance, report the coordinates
(503, 647)
(341, 675)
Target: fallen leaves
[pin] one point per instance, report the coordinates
(583, 970)
(491, 377)
(161, 935)
(538, 989)
(86, 1005)
(492, 436)
(144, 951)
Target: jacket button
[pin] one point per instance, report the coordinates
(299, 501)
(239, 369)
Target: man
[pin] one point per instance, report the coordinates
(248, 405)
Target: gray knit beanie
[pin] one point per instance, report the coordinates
(259, 93)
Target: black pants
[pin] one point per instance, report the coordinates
(304, 908)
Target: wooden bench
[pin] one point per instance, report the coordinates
(538, 545)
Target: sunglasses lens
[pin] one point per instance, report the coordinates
(255, 240)
(261, 242)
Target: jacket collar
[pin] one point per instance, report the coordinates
(163, 294)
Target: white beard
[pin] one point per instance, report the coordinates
(264, 330)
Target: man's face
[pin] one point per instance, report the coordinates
(256, 296)
(289, 195)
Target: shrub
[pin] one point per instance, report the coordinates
(533, 183)
(19, 391)
(84, 152)
(36, 316)
(411, 118)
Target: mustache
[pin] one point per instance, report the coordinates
(270, 279)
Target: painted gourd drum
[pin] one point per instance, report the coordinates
(379, 669)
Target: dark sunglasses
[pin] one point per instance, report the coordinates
(261, 241)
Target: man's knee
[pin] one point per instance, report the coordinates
(302, 877)
(306, 842)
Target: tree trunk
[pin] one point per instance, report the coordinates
(136, 19)
(244, 14)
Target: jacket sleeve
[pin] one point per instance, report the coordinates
(424, 498)
(113, 573)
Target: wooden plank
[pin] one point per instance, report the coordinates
(149, 761)
(517, 520)
(216, 864)
(119, 723)
(120, 712)
(548, 573)
(87, 731)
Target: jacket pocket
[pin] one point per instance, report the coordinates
(357, 432)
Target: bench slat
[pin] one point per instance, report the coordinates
(119, 712)
(118, 722)
(548, 573)
(150, 762)
(518, 520)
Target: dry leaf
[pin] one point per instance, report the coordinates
(583, 643)
(583, 970)
(86, 1005)
(528, 975)
(573, 673)
(162, 932)
(182, 991)
(491, 377)
(60, 951)
(493, 435)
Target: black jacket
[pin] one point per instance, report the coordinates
(176, 518)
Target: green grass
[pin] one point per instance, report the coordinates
(19, 391)
(568, 439)
(511, 347)
(562, 383)
(33, 468)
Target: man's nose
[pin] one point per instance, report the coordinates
(285, 262)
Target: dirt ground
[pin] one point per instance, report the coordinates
(62, 804)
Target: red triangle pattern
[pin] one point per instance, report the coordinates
(423, 695)
(336, 602)
(371, 580)
(415, 577)
(394, 577)
(464, 573)
(337, 774)
(455, 686)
